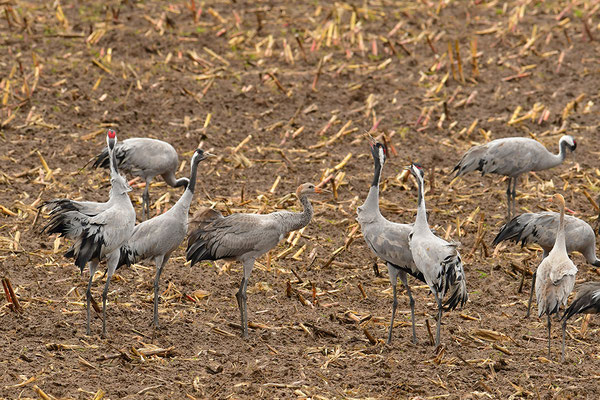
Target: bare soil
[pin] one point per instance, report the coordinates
(283, 92)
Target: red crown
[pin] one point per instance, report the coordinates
(111, 134)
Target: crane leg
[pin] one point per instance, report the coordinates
(564, 328)
(531, 294)
(242, 297)
(242, 303)
(514, 195)
(549, 323)
(160, 263)
(393, 274)
(112, 262)
(439, 321)
(508, 197)
(146, 202)
(88, 293)
(404, 280)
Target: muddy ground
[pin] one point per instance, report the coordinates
(283, 92)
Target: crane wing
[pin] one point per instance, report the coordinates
(89, 208)
(389, 241)
(233, 236)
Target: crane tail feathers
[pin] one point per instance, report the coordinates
(517, 230)
(453, 281)
(70, 223)
(458, 296)
(127, 256)
(102, 160)
(587, 301)
(198, 251)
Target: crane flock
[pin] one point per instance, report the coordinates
(107, 231)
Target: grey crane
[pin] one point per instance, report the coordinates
(245, 237)
(146, 158)
(388, 240)
(587, 301)
(540, 228)
(158, 237)
(97, 229)
(512, 157)
(438, 260)
(555, 276)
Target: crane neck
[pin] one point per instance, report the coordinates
(112, 157)
(371, 203)
(181, 182)
(421, 221)
(562, 149)
(191, 183)
(377, 174)
(300, 220)
(186, 198)
(553, 160)
(560, 234)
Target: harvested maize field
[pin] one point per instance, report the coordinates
(285, 93)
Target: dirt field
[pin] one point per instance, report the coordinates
(283, 92)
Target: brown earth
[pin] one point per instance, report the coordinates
(71, 69)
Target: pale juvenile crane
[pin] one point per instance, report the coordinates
(388, 240)
(98, 230)
(158, 237)
(245, 237)
(512, 157)
(555, 276)
(540, 228)
(438, 260)
(586, 302)
(146, 158)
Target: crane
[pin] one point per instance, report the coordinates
(540, 228)
(146, 158)
(555, 276)
(512, 157)
(245, 237)
(388, 240)
(587, 301)
(158, 237)
(97, 229)
(438, 260)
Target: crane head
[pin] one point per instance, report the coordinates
(558, 199)
(568, 142)
(200, 155)
(417, 171)
(378, 150)
(111, 138)
(309, 188)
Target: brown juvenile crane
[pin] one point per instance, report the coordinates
(540, 228)
(555, 276)
(245, 237)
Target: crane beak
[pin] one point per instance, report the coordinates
(319, 190)
(370, 139)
